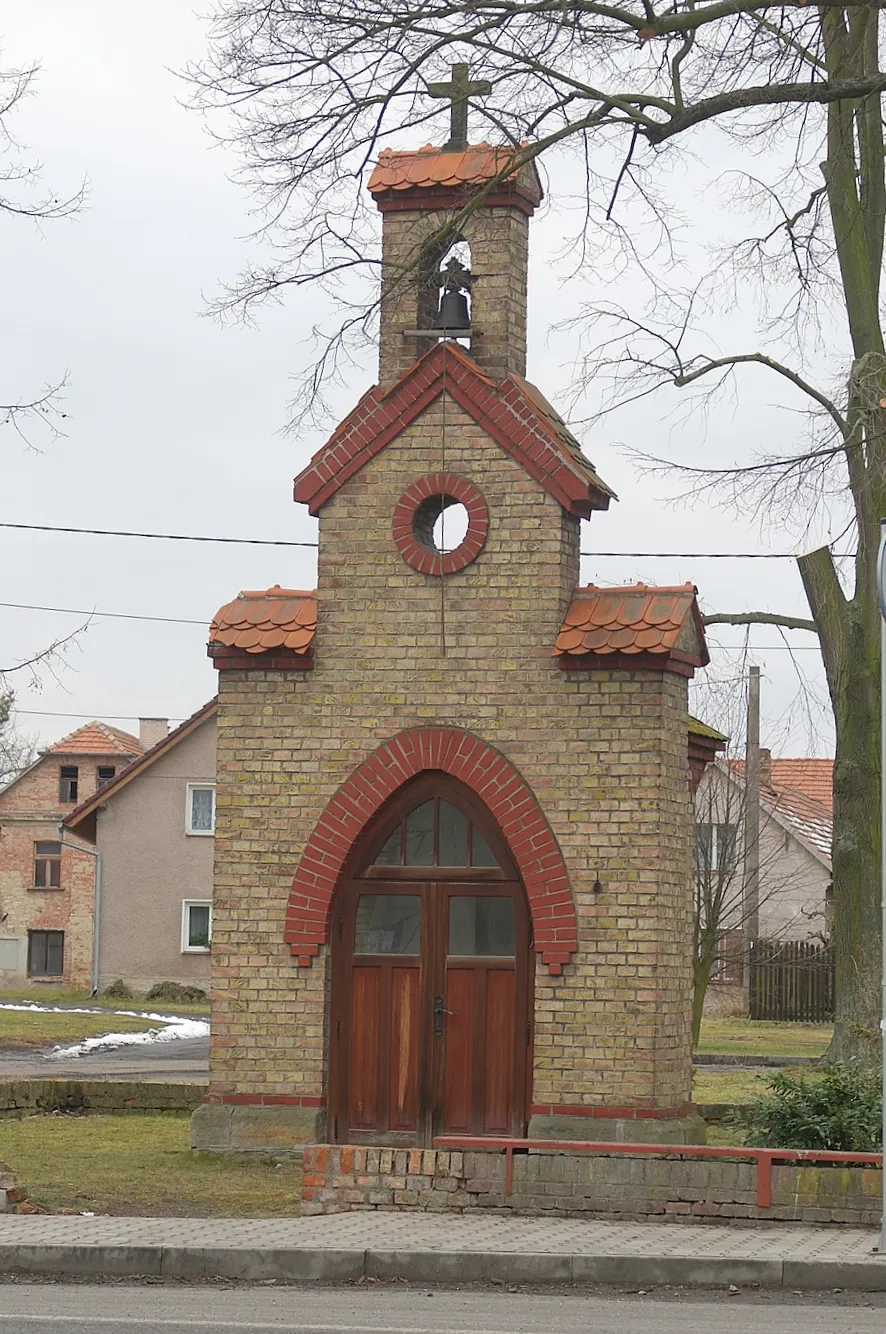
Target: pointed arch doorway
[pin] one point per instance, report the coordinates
(430, 1019)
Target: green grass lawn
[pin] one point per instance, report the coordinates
(34, 1028)
(140, 1164)
(758, 1037)
(725, 1085)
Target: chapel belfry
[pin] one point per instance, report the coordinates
(432, 199)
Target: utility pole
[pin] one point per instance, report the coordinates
(751, 895)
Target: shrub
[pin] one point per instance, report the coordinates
(118, 991)
(838, 1108)
(174, 991)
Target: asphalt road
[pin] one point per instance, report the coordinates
(186, 1309)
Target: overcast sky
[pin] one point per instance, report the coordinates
(175, 424)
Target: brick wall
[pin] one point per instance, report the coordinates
(618, 1186)
(30, 811)
(604, 753)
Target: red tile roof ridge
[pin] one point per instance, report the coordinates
(80, 741)
(636, 588)
(553, 457)
(275, 591)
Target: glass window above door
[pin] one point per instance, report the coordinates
(436, 833)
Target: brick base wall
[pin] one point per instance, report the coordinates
(11, 1193)
(343, 1178)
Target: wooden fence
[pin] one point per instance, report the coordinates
(792, 980)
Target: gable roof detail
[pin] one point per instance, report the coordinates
(431, 169)
(82, 817)
(513, 412)
(663, 623)
(97, 738)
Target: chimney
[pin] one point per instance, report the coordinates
(152, 730)
(765, 767)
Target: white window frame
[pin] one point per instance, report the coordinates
(187, 905)
(198, 833)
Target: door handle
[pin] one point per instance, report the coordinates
(439, 1011)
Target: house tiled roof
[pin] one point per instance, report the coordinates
(512, 412)
(799, 793)
(633, 620)
(82, 818)
(431, 167)
(97, 738)
(814, 778)
(813, 821)
(271, 618)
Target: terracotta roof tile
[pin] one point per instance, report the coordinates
(98, 738)
(812, 778)
(269, 618)
(512, 412)
(431, 167)
(637, 619)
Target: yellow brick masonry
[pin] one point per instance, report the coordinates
(604, 752)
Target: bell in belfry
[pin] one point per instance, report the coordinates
(453, 314)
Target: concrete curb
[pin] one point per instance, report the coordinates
(332, 1264)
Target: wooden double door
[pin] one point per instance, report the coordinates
(430, 1018)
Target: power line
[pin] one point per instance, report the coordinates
(105, 717)
(112, 615)
(279, 542)
(161, 537)
(204, 624)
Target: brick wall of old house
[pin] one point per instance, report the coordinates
(603, 751)
(30, 811)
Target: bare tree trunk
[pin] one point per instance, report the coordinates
(701, 977)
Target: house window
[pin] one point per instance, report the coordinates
(727, 968)
(104, 774)
(47, 865)
(196, 926)
(67, 784)
(201, 808)
(716, 848)
(46, 953)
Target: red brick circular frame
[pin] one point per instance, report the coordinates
(461, 491)
(493, 779)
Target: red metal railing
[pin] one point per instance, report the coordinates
(764, 1158)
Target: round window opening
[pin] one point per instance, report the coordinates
(440, 524)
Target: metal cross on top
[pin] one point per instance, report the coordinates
(459, 89)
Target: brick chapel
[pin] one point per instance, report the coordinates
(452, 873)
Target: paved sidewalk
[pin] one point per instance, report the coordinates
(429, 1249)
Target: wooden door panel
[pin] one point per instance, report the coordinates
(459, 1054)
(364, 1083)
(404, 1065)
(498, 1063)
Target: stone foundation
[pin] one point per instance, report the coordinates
(246, 1128)
(622, 1186)
(688, 1129)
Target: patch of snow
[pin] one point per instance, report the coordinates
(179, 1028)
(174, 1028)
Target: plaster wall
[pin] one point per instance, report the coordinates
(150, 864)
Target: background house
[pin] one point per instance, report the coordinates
(796, 830)
(154, 827)
(47, 890)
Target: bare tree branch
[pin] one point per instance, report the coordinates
(760, 618)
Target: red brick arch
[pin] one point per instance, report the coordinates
(493, 779)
